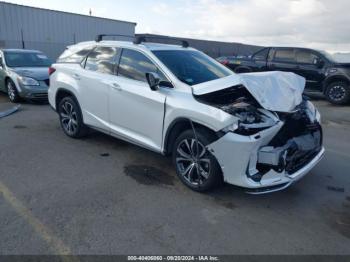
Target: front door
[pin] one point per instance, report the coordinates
(137, 112)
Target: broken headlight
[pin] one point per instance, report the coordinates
(312, 112)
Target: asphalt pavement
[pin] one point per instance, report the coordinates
(100, 195)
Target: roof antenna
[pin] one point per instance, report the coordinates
(90, 12)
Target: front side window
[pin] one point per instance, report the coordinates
(135, 65)
(306, 57)
(26, 59)
(102, 60)
(284, 55)
(192, 67)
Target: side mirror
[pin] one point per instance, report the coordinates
(153, 80)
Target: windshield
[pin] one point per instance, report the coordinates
(21, 59)
(337, 57)
(191, 67)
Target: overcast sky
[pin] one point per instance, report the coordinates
(323, 24)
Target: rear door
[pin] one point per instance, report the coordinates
(308, 68)
(283, 59)
(137, 112)
(95, 79)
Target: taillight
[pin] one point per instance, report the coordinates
(51, 70)
(225, 62)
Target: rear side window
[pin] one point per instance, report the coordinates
(262, 54)
(306, 57)
(135, 65)
(102, 59)
(74, 56)
(284, 55)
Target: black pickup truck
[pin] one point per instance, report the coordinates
(322, 72)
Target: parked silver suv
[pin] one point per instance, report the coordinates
(251, 130)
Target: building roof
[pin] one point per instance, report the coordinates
(64, 12)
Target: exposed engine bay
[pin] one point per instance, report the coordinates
(238, 102)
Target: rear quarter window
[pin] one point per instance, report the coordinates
(74, 55)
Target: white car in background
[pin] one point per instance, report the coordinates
(251, 130)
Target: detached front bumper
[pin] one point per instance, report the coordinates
(243, 164)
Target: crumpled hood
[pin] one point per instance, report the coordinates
(38, 73)
(275, 91)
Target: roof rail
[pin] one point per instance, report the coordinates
(142, 39)
(99, 38)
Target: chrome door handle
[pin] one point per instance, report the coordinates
(117, 87)
(76, 76)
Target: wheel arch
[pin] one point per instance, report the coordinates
(178, 126)
(62, 93)
(332, 79)
(8, 78)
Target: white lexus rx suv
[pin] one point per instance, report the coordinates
(255, 130)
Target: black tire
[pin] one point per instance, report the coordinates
(12, 91)
(338, 93)
(71, 118)
(212, 171)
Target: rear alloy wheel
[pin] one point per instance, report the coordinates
(196, 167)
(12, 92)
(71, 118)
(338, 93)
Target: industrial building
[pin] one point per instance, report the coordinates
(51, 31)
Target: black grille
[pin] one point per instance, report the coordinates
(39, 96)
(297, 159)
(296, 125)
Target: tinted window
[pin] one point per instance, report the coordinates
(135, 65)
(24, 59)
(75, 57)
(102, 60)
(192, 67)
(261, 55)
(284, 55)
(306, 57)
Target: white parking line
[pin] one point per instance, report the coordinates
(55, 243)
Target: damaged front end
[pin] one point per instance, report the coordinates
(265, 150)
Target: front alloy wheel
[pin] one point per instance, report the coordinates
(196, 167)
(192, 161)
(12, 92)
